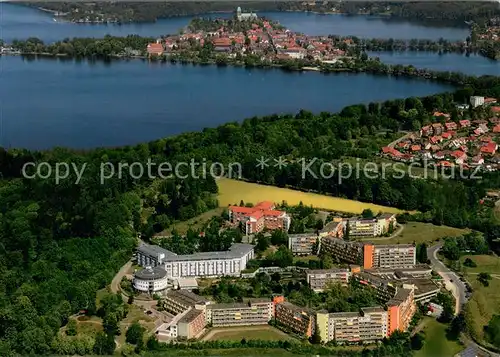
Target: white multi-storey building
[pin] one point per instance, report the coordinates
(150, 280)
(207, 264)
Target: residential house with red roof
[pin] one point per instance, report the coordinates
(464, 123)
(496, 128)
(415, 148)
(155, 49)
(451, 126)
(489, 149)
(426, 131)
(459, 156)
(495, 110)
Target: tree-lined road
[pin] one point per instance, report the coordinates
(451, 279)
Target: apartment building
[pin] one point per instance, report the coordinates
(303, 244)
(333, 229)
(251, 312)
(298, 319)
(368, 325)
(261, 216)
(394, 256)
(151, 255)
(205, 264)
(359, 227)
(319, 279)
(191, 324)
(179, 301)
(385, 289)
(373, 227)
(400, 309)
(350, 252)
(369, 255)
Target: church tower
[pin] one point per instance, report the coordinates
(238, 13)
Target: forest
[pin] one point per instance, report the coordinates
(453, 11)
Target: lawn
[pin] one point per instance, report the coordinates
(436, 344)
(194, 223)
(233, 191)
(250, 333)
(485, 263)
(305, 258)
(420, 232)
(240, 352)
(485, 302)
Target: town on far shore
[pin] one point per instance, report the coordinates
(248, 35)
(399, 282)
(467, 138)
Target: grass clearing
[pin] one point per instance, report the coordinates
(436, 344)
(485, 301)
(233, 191)
(267, 333)
(194, 223)
(306, 258)
(420, 232)
(485, 263)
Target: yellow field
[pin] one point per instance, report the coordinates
(233, 191)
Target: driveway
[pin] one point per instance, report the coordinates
(451, 279)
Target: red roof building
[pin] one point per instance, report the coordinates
(464, 123)
(155, 49)
(451, 125)
(489, 148)
(261, 216)
(416, 148)
(496, 128)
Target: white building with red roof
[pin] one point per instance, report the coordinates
(262, 216)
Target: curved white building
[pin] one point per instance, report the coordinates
(197, 265)
(151, 280)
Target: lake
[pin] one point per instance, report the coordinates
(19, 22)
(49, 102)
(474, 64)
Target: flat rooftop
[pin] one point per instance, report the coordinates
(191, 315)
(186, 297)
(151, 273)
(237, 250)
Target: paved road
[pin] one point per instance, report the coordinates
(115, 283)
(452, 280)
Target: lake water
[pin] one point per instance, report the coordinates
(48, 102)
(474, 64)
(19, 22)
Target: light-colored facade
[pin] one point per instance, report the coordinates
(261, 216)
(178, 301)
(245, 16)
(364, 227)
(207, 264)
(298, 319)
(318, 280)
(373, 227)
(369, 325)
(150, 280)
(400, 309)
(371, 256)
(252, 312)
(303, 244)
(476, 101)
(191, 324)
(394, 256)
